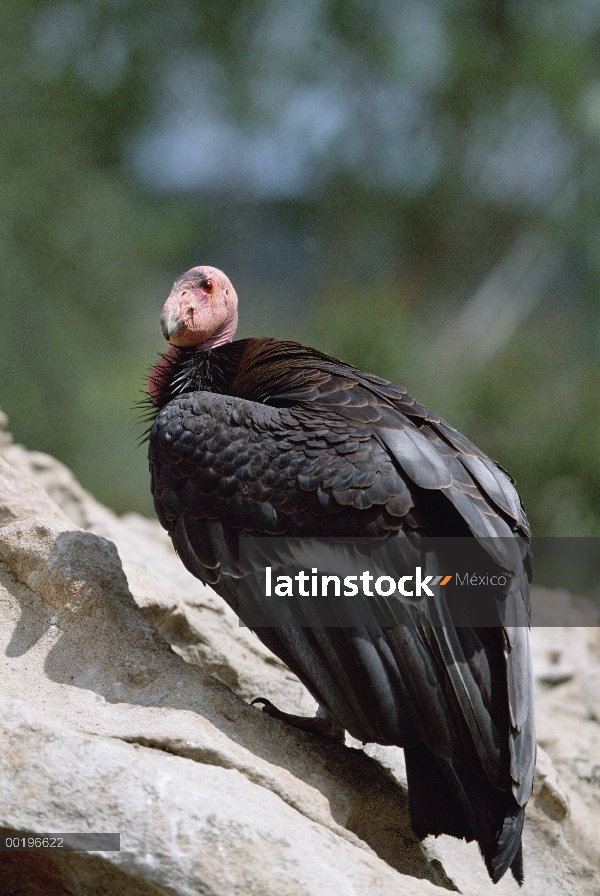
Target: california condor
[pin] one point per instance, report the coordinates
(272, 438)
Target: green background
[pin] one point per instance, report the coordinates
(411, 186)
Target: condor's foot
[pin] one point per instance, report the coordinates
(321, 726)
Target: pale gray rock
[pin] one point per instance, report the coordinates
(5, 436)
(547, 792)
(22, 498)
(591, 693)
(569, 732)
(58, 482)
(560, 652)
(187, 827)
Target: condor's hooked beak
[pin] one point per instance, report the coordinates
(170, 323)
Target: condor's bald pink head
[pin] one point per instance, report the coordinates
(201, 310)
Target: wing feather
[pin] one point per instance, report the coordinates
(418, 458)
(330, 451)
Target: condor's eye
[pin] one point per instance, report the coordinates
(208, 286)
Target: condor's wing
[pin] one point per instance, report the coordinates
(355, 461)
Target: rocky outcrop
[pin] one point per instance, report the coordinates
(124, 688)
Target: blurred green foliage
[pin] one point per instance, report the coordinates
(412, 186)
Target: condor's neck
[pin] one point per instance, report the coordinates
(268, 371)
(194, 369)
(223, 336)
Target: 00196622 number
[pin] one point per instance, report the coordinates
(33, 842)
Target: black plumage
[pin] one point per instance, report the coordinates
(270, 437)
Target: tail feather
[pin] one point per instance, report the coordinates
(517, 866)
(509, 851)
(446, 799)
(432, 804)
